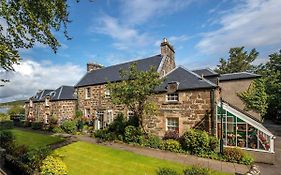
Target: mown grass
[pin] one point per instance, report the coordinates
(86, 158)
(34, 140)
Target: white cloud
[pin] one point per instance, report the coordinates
(30, 76)
(124, 36)
(256, 23)
(139, 11)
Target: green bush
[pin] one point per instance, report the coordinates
(118, 125)
(247, 159)
(237, 155)
(16, 166)
(4, 117)
(8, 124)
(69, 126)
(53, 166)
(166, 171)
(132, 134)
(34, 157)
(37, 125)
(197, 142)
(6, 138)
(194, 170)
(57, 129)
(170, 145)
(149, 140)
(213, 143)
(105, 135)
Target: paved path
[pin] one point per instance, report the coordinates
(176, 157)
(275, 169)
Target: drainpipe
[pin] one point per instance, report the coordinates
(213, 115)
(221, 139)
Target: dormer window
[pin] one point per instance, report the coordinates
(107, 93)
(88, 93)
(174, 97)
(47, 99)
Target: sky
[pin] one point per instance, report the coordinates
(114, 31)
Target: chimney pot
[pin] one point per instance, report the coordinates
(93, 66)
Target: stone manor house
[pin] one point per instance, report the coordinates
(186, 99)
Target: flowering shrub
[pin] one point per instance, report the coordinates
(53, 165)
(171, 135)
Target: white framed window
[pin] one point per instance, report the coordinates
(87, 112)
(47, 99)
(88, 93)
(172, 124)
(172, 97)
(109, 115)
(107, 93)
(130, 114)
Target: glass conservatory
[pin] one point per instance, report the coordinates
(239, 130)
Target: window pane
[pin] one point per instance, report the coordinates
(252, 137)
(241, 133)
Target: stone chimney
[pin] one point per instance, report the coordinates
(168, 54)
(167, 49)
(93, 66)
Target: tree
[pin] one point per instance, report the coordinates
(256, 97)
(134, 91)
(16, 110)
(271, 72)
(238, 61)
(27, 22)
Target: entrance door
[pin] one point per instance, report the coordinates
(99, 120)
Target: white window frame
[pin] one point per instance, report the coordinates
(173, 126)
(130, 114)
(109, 115)
(107, 93)
(88, 93)
(174, 97)
(87, 114)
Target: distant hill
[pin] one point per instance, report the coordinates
(13, 103)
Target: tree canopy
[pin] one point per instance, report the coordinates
(24, 23)
(238, 61)
(135, 89)
(271, 72)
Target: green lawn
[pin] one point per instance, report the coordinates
(86, 158)
(33, 140)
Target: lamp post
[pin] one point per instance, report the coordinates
(221, 139)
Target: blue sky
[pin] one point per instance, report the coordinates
(113, 31)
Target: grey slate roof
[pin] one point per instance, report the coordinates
(40, 95)
(112, 74)
(238, 76)
(63, 93)
(205, 72)
(187, 80)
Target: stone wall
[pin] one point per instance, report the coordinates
(63, 109)
(192, 110)
(39, 110)
(97, 101)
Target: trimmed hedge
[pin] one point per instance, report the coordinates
(8, 124)
(37, 125)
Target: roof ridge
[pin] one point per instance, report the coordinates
(128, 62)
(240, 73)
(198, 76)
(170, 71)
